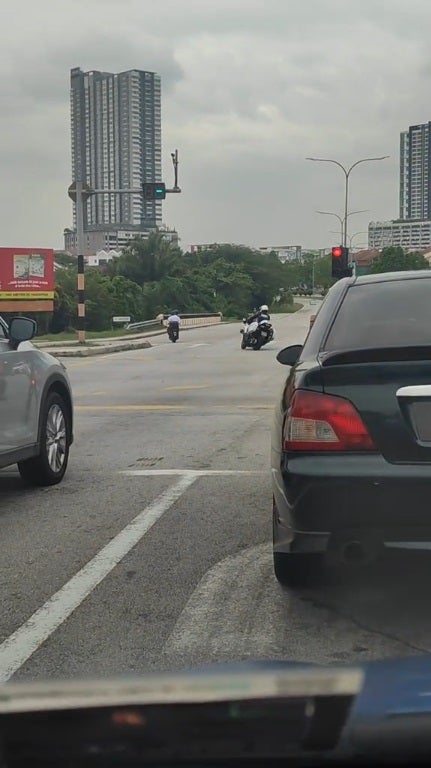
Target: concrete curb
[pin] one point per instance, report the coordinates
(92, 351)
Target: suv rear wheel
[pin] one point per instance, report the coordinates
(49, 467)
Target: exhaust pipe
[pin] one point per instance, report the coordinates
(353, 552)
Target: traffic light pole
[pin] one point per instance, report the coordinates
(80, 192)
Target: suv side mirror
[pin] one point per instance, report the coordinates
(21, 329)
(290, 355)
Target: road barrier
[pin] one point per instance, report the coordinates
(203, 318)
(144, 325)
(187, 321)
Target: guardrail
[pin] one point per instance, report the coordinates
(201, 318)
(187, 320)
(142, 325)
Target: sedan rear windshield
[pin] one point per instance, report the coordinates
(387, 314)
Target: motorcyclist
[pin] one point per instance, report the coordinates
(261, 315)
(174, 318)
(173, 321)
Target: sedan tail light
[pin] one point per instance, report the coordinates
(319, 422)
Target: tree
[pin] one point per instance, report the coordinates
(153, 275)
(264, 270)
(300, 273)
(99, 304)
(127, 297)
(395, 259)
(65, 300)
(146, 259)
(65, 259)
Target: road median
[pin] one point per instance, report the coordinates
(98, 350)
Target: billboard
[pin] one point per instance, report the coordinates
(26, 273)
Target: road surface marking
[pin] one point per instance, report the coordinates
(88, 394)
(192, 346)
(231, 609)
(129, 408)
(256, 407)
(239, 612)
(191, 472)
(185, 387)
(19, 646)
(160, 407)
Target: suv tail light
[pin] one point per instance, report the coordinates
(319, 422)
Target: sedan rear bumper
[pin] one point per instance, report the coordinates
(323, 498)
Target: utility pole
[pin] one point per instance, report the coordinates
(80, 193)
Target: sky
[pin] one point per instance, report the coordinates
(250, 88)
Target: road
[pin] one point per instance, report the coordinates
(155, 552)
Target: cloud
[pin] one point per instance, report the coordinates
(249, 89)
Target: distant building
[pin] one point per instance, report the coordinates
(415, 172)
(363, 260)
(102, 257)
(409, 234)
(284, 252)
(116, 144)
(413, 228)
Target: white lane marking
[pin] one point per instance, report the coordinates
(229, 611)
(19, 646)
(191, 472)
(238, 611)
(204, 344)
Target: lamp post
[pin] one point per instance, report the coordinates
(355, 234)
(347, 172)
(343, 222)
(351, 237)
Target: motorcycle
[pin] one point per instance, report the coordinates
(255, 335)
(174, 332)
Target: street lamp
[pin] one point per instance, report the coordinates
(343, 223)
(347, 172)
(355, 234)
(351, 237)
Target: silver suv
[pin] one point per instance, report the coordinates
(36, 410)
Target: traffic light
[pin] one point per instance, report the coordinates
(154, 190)
(340, 262)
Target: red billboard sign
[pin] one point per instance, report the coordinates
(26, 273)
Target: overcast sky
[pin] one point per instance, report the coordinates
(249, 89)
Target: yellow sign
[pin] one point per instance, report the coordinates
(26, 295)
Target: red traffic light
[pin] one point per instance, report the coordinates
(337, 252)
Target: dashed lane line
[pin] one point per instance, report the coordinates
(190, 472)
(186, 387)
(172, 407)
(23, 643)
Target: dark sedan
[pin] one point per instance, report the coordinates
(351, 438)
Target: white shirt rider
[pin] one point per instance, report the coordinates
(174, 319)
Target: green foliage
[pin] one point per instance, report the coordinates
(65, 259)
(395, 259)
(153, 276)
(300, 273)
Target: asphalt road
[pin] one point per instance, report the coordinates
(155, 552)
